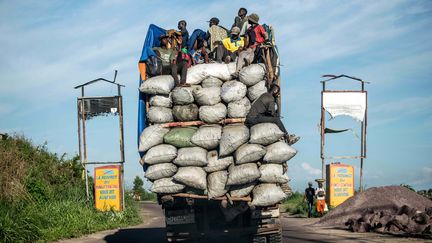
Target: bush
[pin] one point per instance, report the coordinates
(296, 205)
(42, 196)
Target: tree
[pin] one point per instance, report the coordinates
(138, 189)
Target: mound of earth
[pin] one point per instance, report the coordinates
(387, 198)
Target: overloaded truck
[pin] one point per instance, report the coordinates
(214, 175)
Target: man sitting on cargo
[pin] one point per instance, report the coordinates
(255, 35)
(231, 46)
(263, 110)
(241, 21)
(169, 62)
(215, 35)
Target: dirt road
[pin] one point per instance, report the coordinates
(294, 230)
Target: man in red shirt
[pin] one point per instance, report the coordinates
(255, 35)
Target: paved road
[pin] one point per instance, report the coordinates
(294, 230)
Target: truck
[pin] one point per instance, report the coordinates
(193, 216)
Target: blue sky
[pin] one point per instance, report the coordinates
(49, 47)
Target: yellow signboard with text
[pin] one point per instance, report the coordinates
(340, 183)
(108, 189)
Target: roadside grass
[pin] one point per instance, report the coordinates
(42, 196)
(295, 205)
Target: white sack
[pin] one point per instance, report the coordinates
(252, 74)
(166, 185)
(151, 136)
(254, 92)
(192, 156)
(182, 95)
(161, 100)
(239, 109)
(211, 82)
(163, 153)
(157, 114)
(213, 113)
(207, 96)
(216, 183)
(249, 153)
(233, 91)
(242, 174)
(185, 112)
(233, 136)
(242, 190)
(191, 176)
(279, 152)
(196, 74)
(215, 163)
(207, 136)
(272, 173)
(267, 195)
(162, 84)
(159, 171)
(265, 133)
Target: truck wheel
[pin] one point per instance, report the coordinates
(259, 239)
(275, 238)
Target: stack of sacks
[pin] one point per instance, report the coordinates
(217, 159)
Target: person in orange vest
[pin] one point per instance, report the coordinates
(320, 195)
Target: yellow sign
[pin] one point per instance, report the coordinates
(108, 190)
(340, 183)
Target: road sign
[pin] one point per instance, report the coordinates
(340, 183)
(108, 188)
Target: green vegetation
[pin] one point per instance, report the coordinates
(296, 205)
(140, 193)
(42, 196)
(408, 187)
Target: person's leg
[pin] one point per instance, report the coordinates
(310, 205)
(250, 55)
(220, 53)
(174, 72)
(183, 72)
(241, 61)
(272, 119)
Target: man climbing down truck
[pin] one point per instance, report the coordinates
(263, 110)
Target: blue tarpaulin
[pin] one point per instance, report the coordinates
(151, 40)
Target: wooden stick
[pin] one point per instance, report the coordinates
(245, 199)
(199, 123)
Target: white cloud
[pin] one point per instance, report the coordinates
(310, 170)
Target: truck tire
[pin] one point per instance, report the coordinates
(259, 239)
(275, 238)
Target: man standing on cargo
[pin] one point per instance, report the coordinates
(169, 62)
(184, 33)
(241, 21)
(263, 110)
(309, 198)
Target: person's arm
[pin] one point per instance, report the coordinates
(236, 21)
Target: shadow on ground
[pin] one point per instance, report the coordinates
(148, 235)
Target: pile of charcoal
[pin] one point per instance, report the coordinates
(405, 220)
